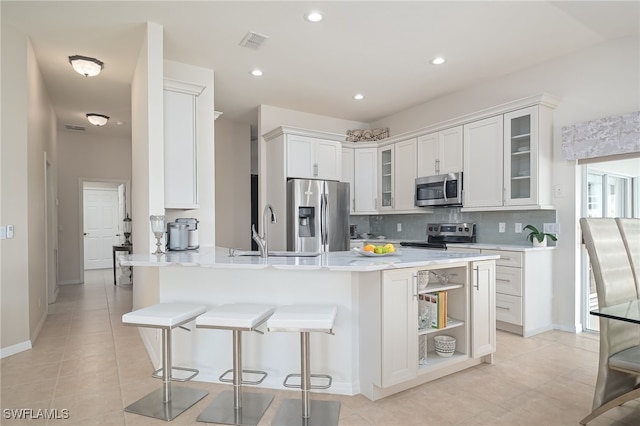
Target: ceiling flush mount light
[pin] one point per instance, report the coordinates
(89, 67)
(358, 96)
(438, 60)
(256, 73)
(314, 16)
(97, 119)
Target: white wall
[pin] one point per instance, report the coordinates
(233, 184)
(597, 82)
(28, 124)
(83, 157)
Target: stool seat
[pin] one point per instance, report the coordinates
(243, 316)
(303, 318)
(164, 315)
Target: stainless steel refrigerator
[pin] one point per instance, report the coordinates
(317, 215)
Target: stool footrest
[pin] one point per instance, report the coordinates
(321, 376)
(245, 382)
(158, 375)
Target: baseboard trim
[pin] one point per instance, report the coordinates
(14, 349)
(69, 282)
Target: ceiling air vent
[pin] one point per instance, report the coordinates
(253, 40)
(73, 128)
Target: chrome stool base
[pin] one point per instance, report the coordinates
(324, 413)
(152, 405)
(221, 409)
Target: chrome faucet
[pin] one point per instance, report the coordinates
(262, 240)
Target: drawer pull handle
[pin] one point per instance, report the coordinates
(503, 280)
(504, 308)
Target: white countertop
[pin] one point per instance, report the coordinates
(479, 246)
(348, 261)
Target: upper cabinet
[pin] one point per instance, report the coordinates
(365, 188)
(348, 175)
(440, 152)
(397, 172)
(507, 160)
(180, 145)
(312, 158)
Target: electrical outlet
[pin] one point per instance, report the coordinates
(551, 228)
(399, 227)
(502, 227)
(518, 228)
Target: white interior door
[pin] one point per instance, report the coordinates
(101, 231)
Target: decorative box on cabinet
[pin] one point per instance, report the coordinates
(180, 144)
(440, 152)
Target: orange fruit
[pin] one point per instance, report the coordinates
(369, 247)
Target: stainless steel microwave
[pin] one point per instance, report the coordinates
(439, 190)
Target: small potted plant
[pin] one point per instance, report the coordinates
(539, 239)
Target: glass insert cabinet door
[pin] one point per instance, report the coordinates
(520, 156)
(385, 159)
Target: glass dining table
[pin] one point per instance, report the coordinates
(627, 311)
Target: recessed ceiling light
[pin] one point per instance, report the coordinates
(314, 16)
(256, 73)
(438, 60)
(358, 96)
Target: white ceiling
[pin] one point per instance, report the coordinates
(381, 49)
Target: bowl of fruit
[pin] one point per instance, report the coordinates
(377, 250)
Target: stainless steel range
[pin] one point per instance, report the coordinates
(441, 234)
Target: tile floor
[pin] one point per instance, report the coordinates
(86, 362)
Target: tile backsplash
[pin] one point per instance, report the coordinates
(413, 226)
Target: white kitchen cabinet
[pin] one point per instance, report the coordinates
(348, 175)
(507, 160)
(482, 178)
(440, 152)
(524, 294)
(180, 145)
(397, 171)
(366, 180)
(399, 340)
(311, 158)
(483, 308)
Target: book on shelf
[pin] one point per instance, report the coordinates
(435, 305)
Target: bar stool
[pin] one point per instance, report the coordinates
(234, 407)
(166, 403)
(305, 319)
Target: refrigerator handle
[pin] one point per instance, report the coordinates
(323, 225)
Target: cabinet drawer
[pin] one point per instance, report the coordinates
(509, 309)
(509, 280)
(507, 258)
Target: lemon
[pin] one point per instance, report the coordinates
(390, 248)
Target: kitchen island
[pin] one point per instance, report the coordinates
(381, 345)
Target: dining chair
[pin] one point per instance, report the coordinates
(630, 230)
(619, 359)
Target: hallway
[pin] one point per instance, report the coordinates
(86, 362)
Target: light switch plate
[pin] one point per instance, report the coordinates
(518, 228)
(502, 227)
(399, 227)
(9, 231)
(551, 228)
